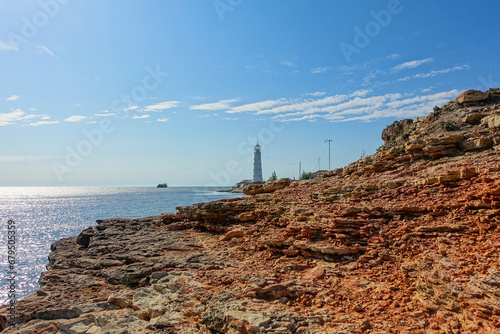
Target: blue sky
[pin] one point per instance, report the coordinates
(142, 92)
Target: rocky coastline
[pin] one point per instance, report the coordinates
(403, 241)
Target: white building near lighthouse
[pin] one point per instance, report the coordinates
(257, 164)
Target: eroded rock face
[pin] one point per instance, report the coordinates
(405, 241)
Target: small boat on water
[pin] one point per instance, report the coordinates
(162, 185)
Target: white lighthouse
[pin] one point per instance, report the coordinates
(257, 164)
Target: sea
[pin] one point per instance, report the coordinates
(42, 215)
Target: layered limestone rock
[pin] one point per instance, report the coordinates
(404, 241)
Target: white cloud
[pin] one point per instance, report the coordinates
(12, 117)
(443, 71)
(163, 120)
(219, 105)
(310, 118)
(435, 73)
(316, 94)
(412, 64)
(322, 69)
(43, 123)
(351, 70)
(361, 93)
(18, 115)
(47, 50)
(140, 117)
(8, 46)
(312, 105)
(129, 108)
(252, 107)
(13, 98)
(105, 115)
(439, 98)
(75, 118)
(293, 105)
(357, 106)
(288, 63)
(162, 106)
(393, 56)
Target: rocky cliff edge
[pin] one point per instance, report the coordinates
(404, 241)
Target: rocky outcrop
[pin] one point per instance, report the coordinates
(268, 187)
(404, 241)
(472, 96)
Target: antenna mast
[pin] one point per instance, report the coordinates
(328, 141)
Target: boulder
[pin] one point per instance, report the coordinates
(472, 96)
(492, 121)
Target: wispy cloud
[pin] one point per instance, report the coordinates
(257, 106)
(312, 105)
(140, 117)
(163, 119)
(443, 71)
(393, 56)
(318, 70)
(46, 50)
(75, 118)
(219, 105)
(13, 98)
(412, 64)
(158, 107)
(292, 105)
(360, 105)
(34, 124)
(288, 63)
(8, 46)
(130, 108)
(105, 114)
(435, 73)
(316, 94)
(442, 97)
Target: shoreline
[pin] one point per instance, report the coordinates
(57, 222)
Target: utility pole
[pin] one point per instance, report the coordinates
(300, 170)
(328, 141)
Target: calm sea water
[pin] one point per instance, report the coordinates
(44, 215)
